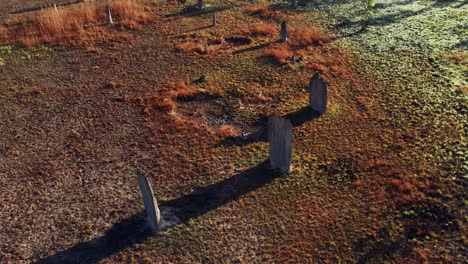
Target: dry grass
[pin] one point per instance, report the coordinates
(132, 14)
(304, 42)
(458, 57)
(265, 12)
(65, 23)
(261, 10)
(166, 101)
(302, 37)
(197, 47)
(184, 91)
(201, 45)
(279, 52)
(259, 30)
(181, 134)
(261, 98)
(3, 34)
(166, 105)
(73, 25)
(226, 130)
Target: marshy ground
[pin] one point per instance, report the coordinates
(379, 178)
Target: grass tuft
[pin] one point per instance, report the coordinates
(184, 91)
(226, 130)
(278, 52)
(261, 10)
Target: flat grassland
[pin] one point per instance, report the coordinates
(379, 178)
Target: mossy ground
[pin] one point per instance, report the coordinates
(378, 178)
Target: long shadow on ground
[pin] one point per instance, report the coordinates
(297, 118)
(192, 11)
(133, 230)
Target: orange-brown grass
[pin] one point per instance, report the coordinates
(165, 100)
(199, 45)
(131, 14)
(63, 24)
(331, 63)
(391, 183)
(259, 30)
(264, 11)
(458, 57)
(262, 98)
(279, 52)
(73, 25)
(261, 10)
(302, 37)
(184, 91)
(153, 101)
(3, 33)
(165, 104)
(226, 130)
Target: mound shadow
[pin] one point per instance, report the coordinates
(191, 11)
(134, 230)
(297, 118)
(33, 9)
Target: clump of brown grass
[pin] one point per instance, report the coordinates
(259, 30)
(401, 185)
(392, 183)
(302, 37)
(261, 10)
(226, 130)
(279, 52)
(332, 64)
(156, 101)
(262, 98)
(131, 13)
(3, 33)
(184, 91)
(459, 57)
(165, 104)
(73, 25)
(199, 45)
